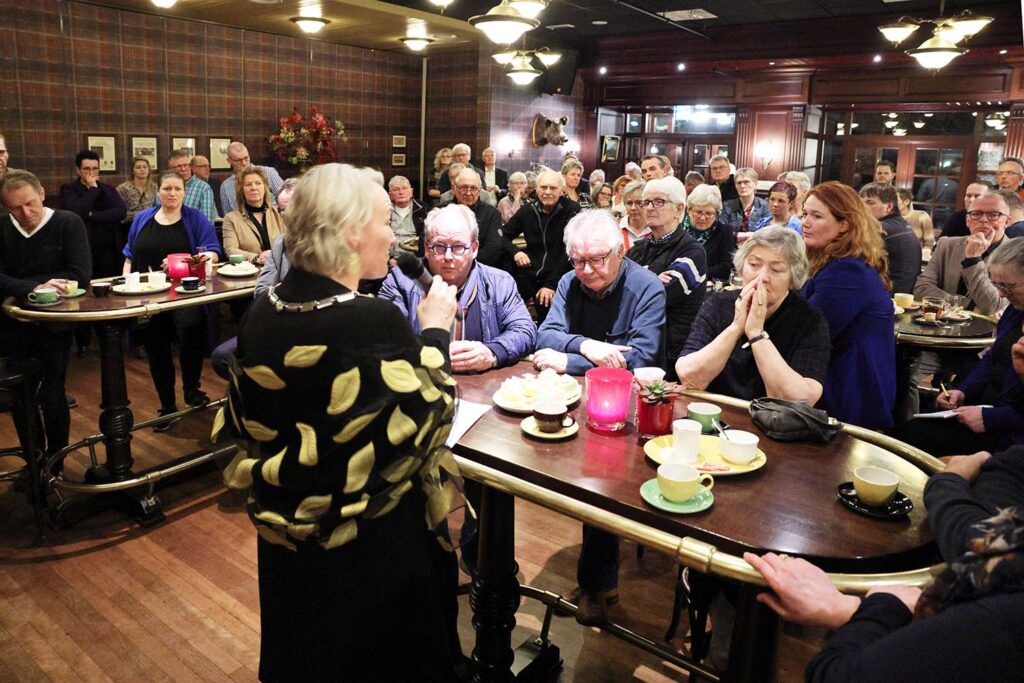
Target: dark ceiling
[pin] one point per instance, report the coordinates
(634, 16)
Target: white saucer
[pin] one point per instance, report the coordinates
(529, 426)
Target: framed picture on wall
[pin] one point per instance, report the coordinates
(146, 148)
(634, 123)
(398, 141)
(219, 154)
(610, 148)
(398, 160)
(105, 147)
(183, 143)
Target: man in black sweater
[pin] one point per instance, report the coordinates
(901, 243)
(40, 247)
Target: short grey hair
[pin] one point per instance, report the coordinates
(454, 170)
(571, 164)
(448, 214)
(1012, 199)
(597, 176)
(783, 240)
(236, 147)
(748, 173)
(518, 177)
(1009, 254)
(632, 188)
(462, 145)
(670, 186)
(798, 178)
(331, 203)
(706, 195)
(398, 180)
(555, 174)
(593, 222)
(694, 176)
(469, 172)
(288, 185)
(719, 157)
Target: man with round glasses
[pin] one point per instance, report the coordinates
(496, 329)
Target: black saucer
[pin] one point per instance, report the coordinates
(899, 506)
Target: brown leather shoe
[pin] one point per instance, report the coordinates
(591, 609)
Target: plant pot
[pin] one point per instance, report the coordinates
(653, 419)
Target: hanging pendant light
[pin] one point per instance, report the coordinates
(898, 32)
(522, 71)
(548, 57)
(502, 24)
(504, 56)
(529, 8)
(936, 52)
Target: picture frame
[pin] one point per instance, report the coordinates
(183, 143)
(398, 141)
(632, 149)
(634, 123)
(219, 154)
(106, 147)
(398, 160)
(146, 147)
(610, 146)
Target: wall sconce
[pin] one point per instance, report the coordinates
(571, 146)
(510, 146)
(764, 152)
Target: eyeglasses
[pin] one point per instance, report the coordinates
(442, 249)
(634, 203)
(656, 204)
(1006, 287)
(999, 173)
(990, 215)
(468, 189)
(703, 214)
(594, 261)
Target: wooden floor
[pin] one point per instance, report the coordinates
(108, 601)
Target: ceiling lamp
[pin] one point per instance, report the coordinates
(967, 24)
(528, 8)
(522, 71)
(548, 57)
(165, 4)
(919, 124)
(900, 132)
(505, 56)
(936, 52)
(441, 3)
(416, 43)
(892, 123)
(310, 24)
(503, 25)
(898, 32)
(940, 49)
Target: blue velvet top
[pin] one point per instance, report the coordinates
(861, 384)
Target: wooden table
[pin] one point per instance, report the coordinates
(789, 506)
(112, 316)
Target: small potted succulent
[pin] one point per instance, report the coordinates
(654, 407)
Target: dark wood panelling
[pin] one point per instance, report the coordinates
(979, 84)
(754, 90)
(841, 88)
(670, 91)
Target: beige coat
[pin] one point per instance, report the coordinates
(241, 236)
(942, 276)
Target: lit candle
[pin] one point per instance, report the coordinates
(608, 392)
(177, 265)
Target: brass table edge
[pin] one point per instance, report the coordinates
(11, 308)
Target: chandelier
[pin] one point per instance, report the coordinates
(503, 24)
(522, 64)
(941, 48)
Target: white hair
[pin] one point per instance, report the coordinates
(398, 180)
(801, 180)
(670, 186)
(597, 176)
(451, 213)
(593, 223)
(518, 177)
(462, 145)
(706, 195)
(782, 239)
(748, 173)
(552, 173)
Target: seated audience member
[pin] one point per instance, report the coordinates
(676, 258)
(634, 223)
(251, 229)
(781, 203)
(964, 626)
(407, 215)
(802, 182)
(596, 176)
(346, 578)
(170, 229)
(513, 201)
(986, 401)
(720, 171)
(609, 312)
(617, 187)
(442, 160)
(747, 210)
(496, 329)
(901, 244)
(702, 221)
(198, 194)
(461, 154)
(488, 220)
(239, 159)
(763, 340)
(1015, 207)
(40, 247)
(692, 180)
(1010, 175)
(849, 285)
(201, 169)
(450, 195)
(540, 266)
(572, 172)
(601, 195)
(137, 192)
(956, 223)
(919, 221)
(634, 171)
(495, 179)
(284, 195)
(100, 207)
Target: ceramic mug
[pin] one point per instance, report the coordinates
(70, 286)
(47, 295)
(875, 486)
(552, 417)
(903, 300)
(100, 289)
(705, 413)
(686, 440)
(190, 284)
(235, 259)
(157, 279)
(132, 281)
(740, 448)
(679, 482)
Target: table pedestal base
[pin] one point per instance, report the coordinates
(754, 647)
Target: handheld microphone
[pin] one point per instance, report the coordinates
(413, 269)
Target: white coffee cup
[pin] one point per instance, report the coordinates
(685, 441)
(679, 482)
(157, 279)
(132, 280)
(740, 448)
(903, 300)
(875, 486)
(649, 374)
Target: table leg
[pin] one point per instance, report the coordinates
(754, 648)
(905, 360)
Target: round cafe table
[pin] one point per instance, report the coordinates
(788, 506)
(112, 315)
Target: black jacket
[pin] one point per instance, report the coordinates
(492, 249)
(904, 250)
(720, 247)
(445, 183)
(727, 188)
(544, 241)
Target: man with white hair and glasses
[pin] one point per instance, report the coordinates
(460, 155)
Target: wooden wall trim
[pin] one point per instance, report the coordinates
(1015, 131)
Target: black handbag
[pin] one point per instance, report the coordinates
(793, 420)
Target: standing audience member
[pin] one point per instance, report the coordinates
(781, 205)
(747, 210)
(701, 221)
(407, 215)
(239, 159)
(513, 201)
(1015, 207)
(653, 166)
(540, 266)
(849, 284)
(572, 171)
(40, 247)
(885, 171)
(442, 160)
(634, 223)
(345, 487)
(956, 224)
(198, 194)
(251, 229)
(461, 154)
(467, 193)
(1010, 175)
(495, 179)
(919, 221)
(172, 228)
(137, 192)
(676, 258)
(901, 244)
(721, 177)
(100, 207)
(201, 169)
(634, 171)
(692, 180)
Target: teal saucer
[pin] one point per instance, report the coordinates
(77, 293)
(702, 501)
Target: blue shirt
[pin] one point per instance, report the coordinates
(793, 224)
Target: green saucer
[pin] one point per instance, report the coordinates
(702, 501)
(77, 293)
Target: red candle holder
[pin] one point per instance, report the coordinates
(608, 392)
(178, 266)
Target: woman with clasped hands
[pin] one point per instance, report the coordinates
(763, 340)
(348, 411)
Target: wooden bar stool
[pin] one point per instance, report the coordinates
(19, 383)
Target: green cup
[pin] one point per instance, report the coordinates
(235, 259)
(705, 413)
(43, 296)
